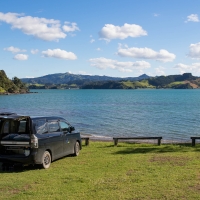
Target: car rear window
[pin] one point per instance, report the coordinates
(22, 127)
(14, 126)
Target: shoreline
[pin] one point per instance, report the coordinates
(101, 138)
(7, 93)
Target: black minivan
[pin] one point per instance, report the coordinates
(36, 140)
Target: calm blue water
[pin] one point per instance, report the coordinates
(173, 114)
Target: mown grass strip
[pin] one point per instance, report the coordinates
(102, 171)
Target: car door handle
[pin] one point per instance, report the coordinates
(67, 141)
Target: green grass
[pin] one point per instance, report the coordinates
(137, 84)
(37, 84)
(2, 90)
(102, 171)
(175, 84)
(73, 85)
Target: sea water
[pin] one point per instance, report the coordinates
(172, 114)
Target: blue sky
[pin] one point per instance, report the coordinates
(121, 38)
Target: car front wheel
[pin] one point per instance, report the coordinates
(76, 149)
(46, 160)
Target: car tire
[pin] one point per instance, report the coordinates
(46, 160)
(76, 149)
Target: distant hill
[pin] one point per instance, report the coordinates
(79, 80)
(185, 81)
(67, 80)
(11, 86)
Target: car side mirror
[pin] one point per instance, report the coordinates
(72, 128)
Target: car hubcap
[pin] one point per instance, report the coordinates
(46, 160)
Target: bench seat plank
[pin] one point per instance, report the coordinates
(136, 138)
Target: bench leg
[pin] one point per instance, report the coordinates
(193, 142)
(87, 141)
(115, 141)
(159, 142)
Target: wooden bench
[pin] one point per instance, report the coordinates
(136, 138)
(86, 140)
(193, 140)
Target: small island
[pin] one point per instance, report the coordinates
(14, 86)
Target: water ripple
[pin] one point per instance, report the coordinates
(173, 114)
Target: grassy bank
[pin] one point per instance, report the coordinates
(102, 171)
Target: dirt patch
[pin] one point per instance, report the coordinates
(13, 191)
(192, 84)
(197, 186)
(173, 160)
(129, 172)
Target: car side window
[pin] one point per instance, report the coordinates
(53, 126)
(64, 126)
(41, 126)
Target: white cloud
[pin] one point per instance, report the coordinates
(60, 54)
(92, 40)
(14, 49)
(98, 49)
(159, 71)
(70, 27)
(21, 57)
(155, 15)
(194, 51)
(83, 73)
(192, 18)
(109, 31)
(42, 28)
(146, 53)
(194, 67)
(104, 63)
(34, 51)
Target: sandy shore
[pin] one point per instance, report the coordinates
(97, 137)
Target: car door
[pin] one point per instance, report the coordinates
(68, 139)
(55, 139)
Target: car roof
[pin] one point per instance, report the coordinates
(46, 117)
(14, 117)
(9, 115)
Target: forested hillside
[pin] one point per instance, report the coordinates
(185, 81)
(11, 86)
(73, 81)
(78, 79)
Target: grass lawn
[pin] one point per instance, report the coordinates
(175, 83)
(136, 84)
(102, 171)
